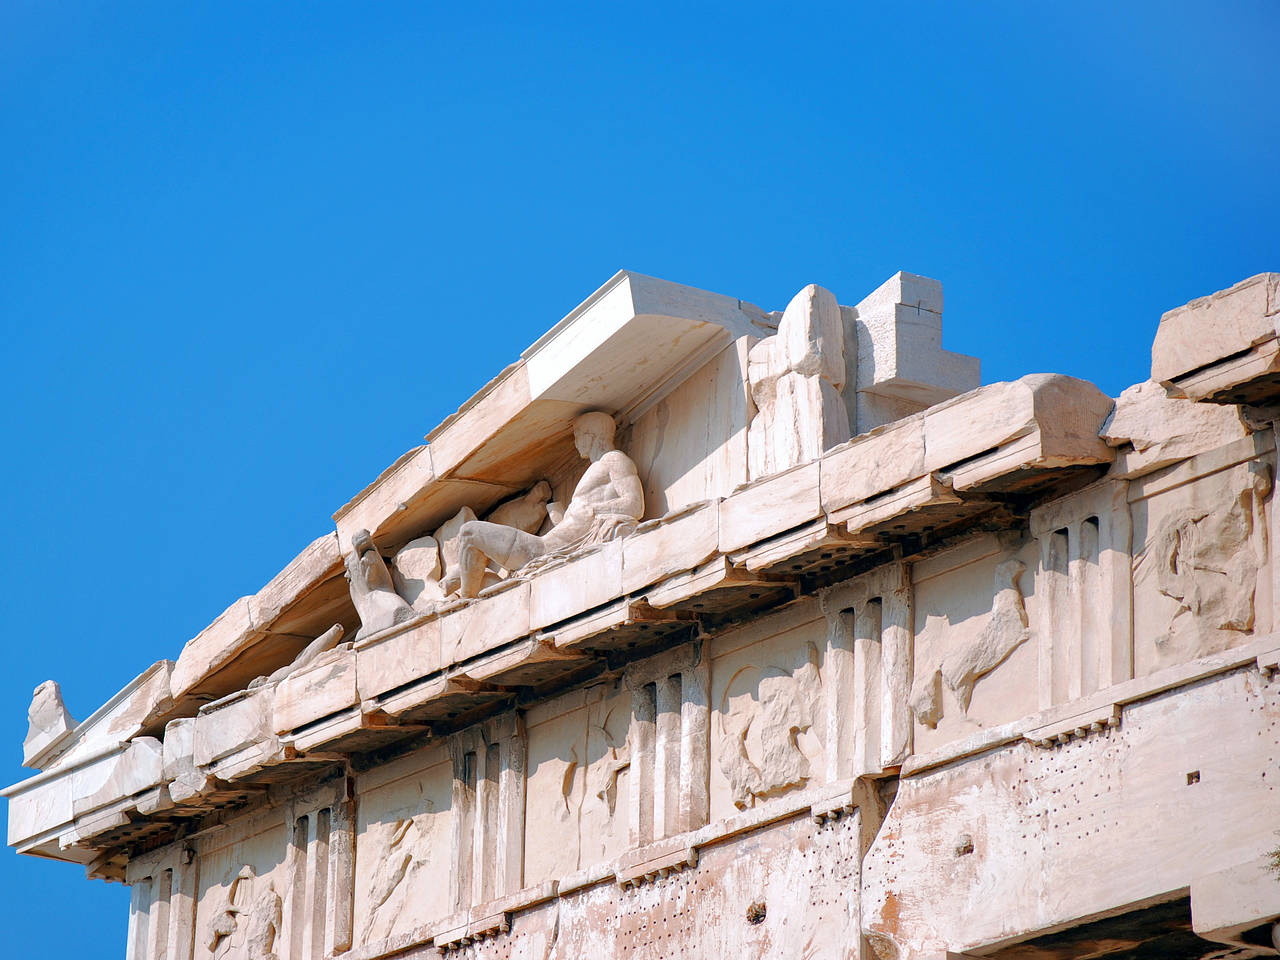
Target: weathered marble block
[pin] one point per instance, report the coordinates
(498, 616)
(186, 781)
(1222, 347)
(235, 735)
(770, 506)
(678, 542)
(580, 583)
(139, 767)
(397, 657)
(327, 687)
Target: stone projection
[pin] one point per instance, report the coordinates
(708, 631)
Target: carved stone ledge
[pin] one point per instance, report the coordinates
(805, 549)
(1269, 664)
(474, 930)
(391, 946)
(620, 625)
(1223, 347)
(1076, 727)
(654, 862)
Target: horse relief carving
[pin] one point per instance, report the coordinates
(1208, 557)
(962, 666)
(402, 855)
(248, 922)
(763, 714)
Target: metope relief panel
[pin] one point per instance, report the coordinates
(975, 662)
(1201, 563)
(403, 845)
(1084, 625)
(554, 792)
(247, 919)
(243, 880)
(767, 709)
(579, 760)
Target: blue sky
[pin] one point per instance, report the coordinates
(250, 253)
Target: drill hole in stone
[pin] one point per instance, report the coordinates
(756, 913)
(1193, 777)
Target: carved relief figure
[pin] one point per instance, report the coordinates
(604, 786)
(372, 590)
(607, 503)
(48, 721)
(403, 853)
(311, 653)
(264, 924)
(415, 570)
(962, 667)
(1208, 558)
(401, 856)
(780, 711)
(225, 923)
(525, 512)
(796, 378)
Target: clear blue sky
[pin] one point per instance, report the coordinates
(250, 253)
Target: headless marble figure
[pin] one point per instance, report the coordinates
(607, 503)
(372, 591)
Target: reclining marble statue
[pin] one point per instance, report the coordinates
(607, 503)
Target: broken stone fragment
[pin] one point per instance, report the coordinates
(1166, 429)
(49, 724)
(416, 570)
(796, 377)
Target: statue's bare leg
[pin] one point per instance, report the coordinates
(480, 541)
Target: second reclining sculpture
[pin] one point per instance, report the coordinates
(607, 503)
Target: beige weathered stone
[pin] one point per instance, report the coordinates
(397, 657)
(691, 444)
(899, 366)
(326, 686)
(1164, 430)
(769, 506)
(1220, 346)
(49, 724)
(498, 617)
(796, 377)
(138, 767)
(234, 735)
(186, 781)
(931, 691)
(416, 571)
